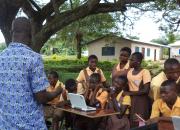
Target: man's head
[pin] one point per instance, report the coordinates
(53, 78)
(71, 86)
(92, 62)
(125, 53)
(21, 30)
(136, 59)
(94, 80)
(168, 91)
(171, 69)
(120, 83)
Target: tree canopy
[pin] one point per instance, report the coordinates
(49, 18)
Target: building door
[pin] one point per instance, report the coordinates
(143, 51)
(154, 54)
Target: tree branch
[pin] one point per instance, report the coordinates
(28, 9)
(137, 1)
(35, 5)
(48, 9)
(65, 19)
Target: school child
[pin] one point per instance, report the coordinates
(49, 110)
(95, 96)
(84, 74)
(169, 103)
(171, 71)
(70, 87)
(139, 84)
(123, 66)
(121, 103)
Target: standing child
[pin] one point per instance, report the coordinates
(84, 74)
(123, 66)
(139, 84)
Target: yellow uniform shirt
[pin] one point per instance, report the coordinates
(160, 108)
(156, 84)
(81, 77)
(52, 89)
(117, 70)
(126, 100)
(102, 97)
(134, 81)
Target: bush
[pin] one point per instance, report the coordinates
(72, 65)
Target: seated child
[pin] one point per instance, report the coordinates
(119, 102)
(49, 110)
(70, 87)
(95, 95)
(169, 103)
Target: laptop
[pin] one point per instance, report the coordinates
(176, 122)
(78, 102)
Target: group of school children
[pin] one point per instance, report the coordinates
(132, 93)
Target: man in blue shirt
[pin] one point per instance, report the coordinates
(23, 82)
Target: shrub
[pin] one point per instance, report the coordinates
(72, 65)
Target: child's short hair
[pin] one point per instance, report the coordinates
(70, 84)
(54, 74)
(127, 49)
(96, 77)
(170, 83)
(92, 57)
(171, 61)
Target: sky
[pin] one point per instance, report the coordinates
(145, 28)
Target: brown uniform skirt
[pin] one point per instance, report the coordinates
(114, 123)
(140, 105)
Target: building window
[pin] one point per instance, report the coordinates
(148, 51)
(136, 49)
(108, 51)
(179, 51)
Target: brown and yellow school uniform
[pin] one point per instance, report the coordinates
(49, 109)
(134, 81)
(102, 97)
(139, 104)
(119, 70)
(114, 123)
(156, 84)
(84, 77)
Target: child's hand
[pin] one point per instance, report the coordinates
(151, 121)
(125, 93)
(64, 95)
(59, 90)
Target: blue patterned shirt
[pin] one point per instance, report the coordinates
(21, 76)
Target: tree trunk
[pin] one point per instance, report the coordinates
(78, 39)
(6, 33)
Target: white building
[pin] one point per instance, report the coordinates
(175, 50)
(108, 48)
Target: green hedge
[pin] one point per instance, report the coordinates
(68, 65)
(72, 65)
